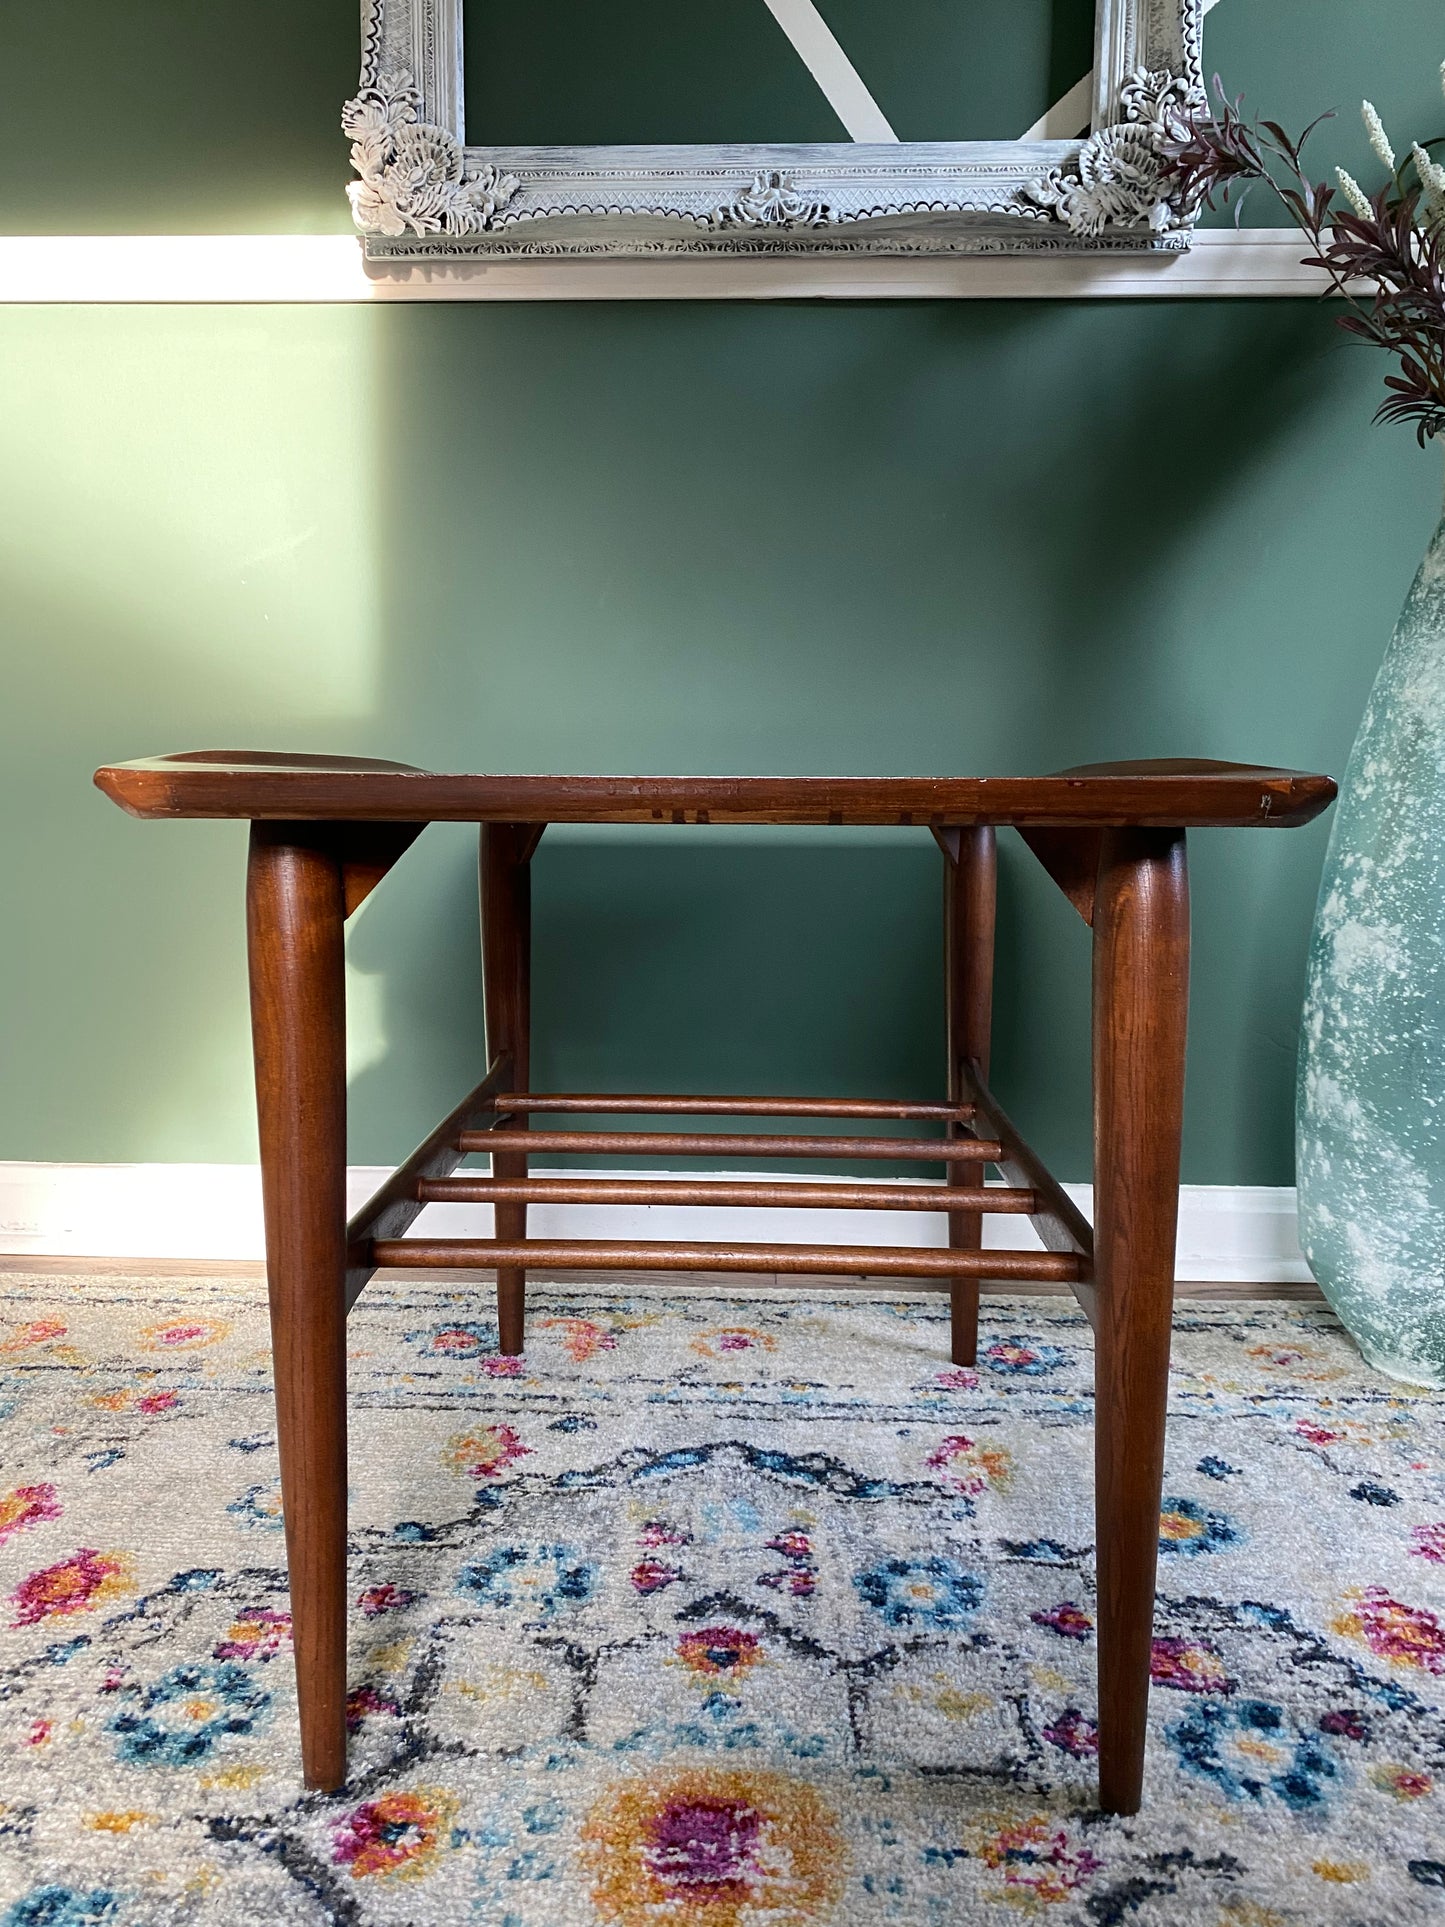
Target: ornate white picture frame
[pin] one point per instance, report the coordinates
(421, 192)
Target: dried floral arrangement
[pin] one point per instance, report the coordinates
(1392, 241)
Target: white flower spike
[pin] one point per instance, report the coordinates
(1354, 194)
(1432, 185)
(1379, 140)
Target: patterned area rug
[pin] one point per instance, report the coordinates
(717, 1611)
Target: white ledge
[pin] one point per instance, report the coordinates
(307, 268)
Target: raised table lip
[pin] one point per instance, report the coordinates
(284, 786)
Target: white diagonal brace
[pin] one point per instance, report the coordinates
(834, 72)
(1070, 115)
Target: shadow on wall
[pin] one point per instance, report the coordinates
(806, 538)
(700, 962)
(1078, 453)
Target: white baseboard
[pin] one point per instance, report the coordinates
(1228, 1233)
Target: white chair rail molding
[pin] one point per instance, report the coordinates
(1247, 264)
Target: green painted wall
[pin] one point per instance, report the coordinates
(703, 537)
(650, 70)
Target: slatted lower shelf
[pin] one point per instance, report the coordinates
(485, 1122)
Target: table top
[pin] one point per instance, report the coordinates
(265, 786)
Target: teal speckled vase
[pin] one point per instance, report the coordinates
(1371, 1099)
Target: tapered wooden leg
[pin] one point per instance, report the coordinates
(295, 913)
(969, 896)
(1141, 991)
(506, 889)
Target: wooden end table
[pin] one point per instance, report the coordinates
(325, 830)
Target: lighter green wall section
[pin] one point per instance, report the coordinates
(922, 538)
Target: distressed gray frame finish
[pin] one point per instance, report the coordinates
(421, 193)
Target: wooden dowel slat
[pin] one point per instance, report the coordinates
(601, 1104)
(395, 1205)
(807, 1195)
(883, 1261)
(707, 1144)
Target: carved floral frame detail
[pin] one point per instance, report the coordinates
(420, 191)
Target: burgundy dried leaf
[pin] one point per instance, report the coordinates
(1215, 152)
